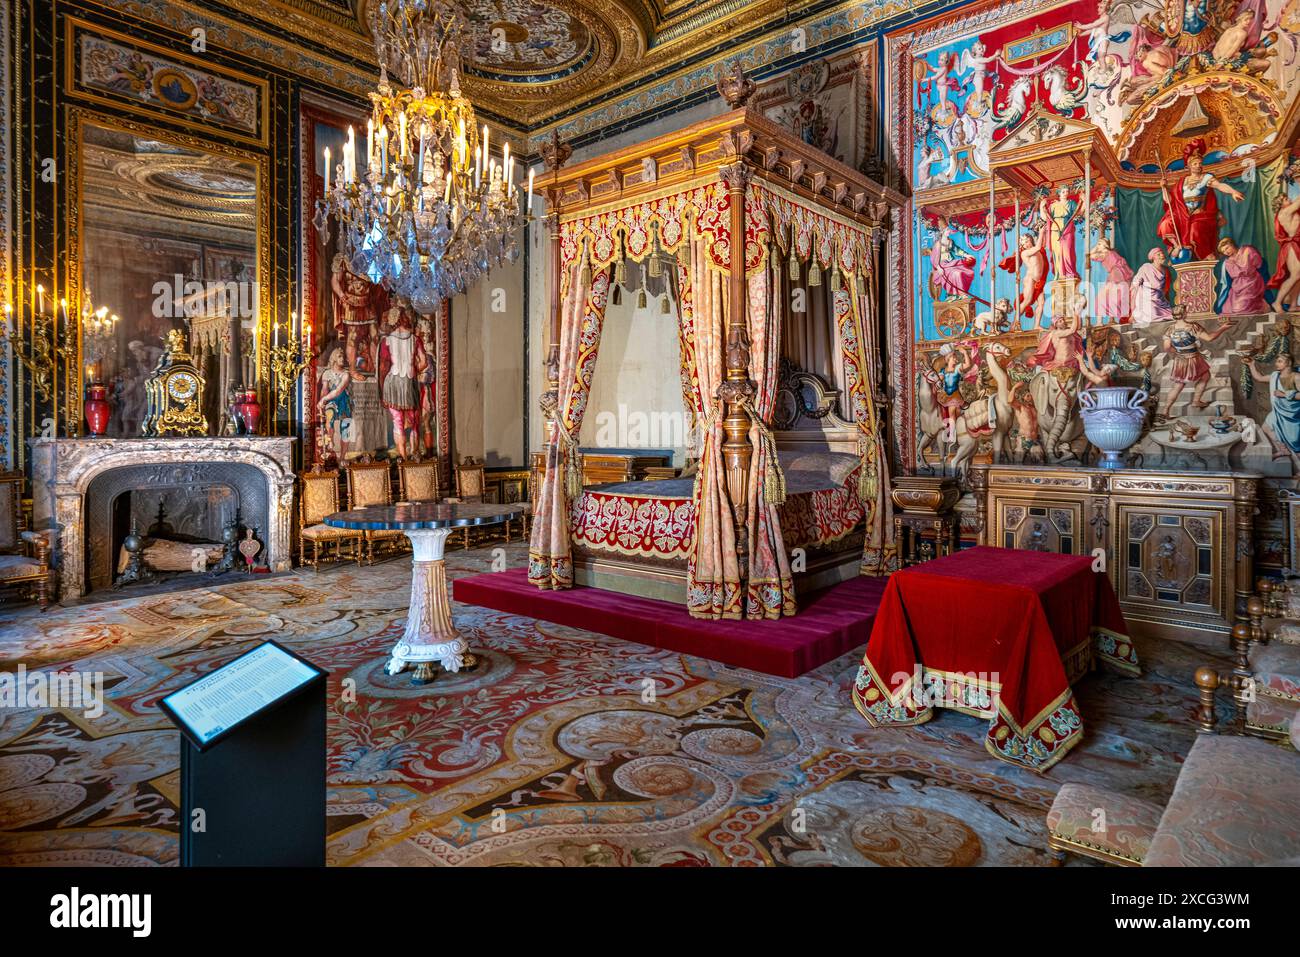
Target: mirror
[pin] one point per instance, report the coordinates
(169, 240)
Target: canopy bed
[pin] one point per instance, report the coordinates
(789, 457)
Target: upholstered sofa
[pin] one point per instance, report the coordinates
(1267, 668)
(1236, 803)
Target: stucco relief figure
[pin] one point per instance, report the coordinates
(1282, 424)
(1113, 293)
(1286, 228)
(401, 359)
(1032, 259)
(354, 313)
(1190, 226)
(1240, 276)
(1189, 366)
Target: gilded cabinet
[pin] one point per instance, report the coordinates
(1178, 546)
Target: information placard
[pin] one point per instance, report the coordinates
(210, 708)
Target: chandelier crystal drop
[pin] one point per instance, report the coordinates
(431, 211)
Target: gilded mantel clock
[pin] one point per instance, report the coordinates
(174, 393)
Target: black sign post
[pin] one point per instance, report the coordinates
(253, 762)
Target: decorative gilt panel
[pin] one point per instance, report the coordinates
(129, 74)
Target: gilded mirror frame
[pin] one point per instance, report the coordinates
(77, 119)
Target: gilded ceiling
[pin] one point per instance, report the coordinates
(535, 61)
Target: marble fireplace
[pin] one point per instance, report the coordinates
(78, 485)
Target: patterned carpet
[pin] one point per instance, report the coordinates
(562, 748)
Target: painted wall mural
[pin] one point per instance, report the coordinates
(1105, 193)
(117, 70)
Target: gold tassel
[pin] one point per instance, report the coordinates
(837, 281)
(773, 476)
(665, 308)
(572, 468)
(868, 481)
(641, 301)
(620, 272)
(794, 265)
(616, 297)
(815, 272)
(656, 267)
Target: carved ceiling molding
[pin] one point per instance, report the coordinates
(646, 53)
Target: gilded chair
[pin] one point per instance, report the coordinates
(24, 555)
(419, 479)
(369, 483)
(319, 498)
(471, 482)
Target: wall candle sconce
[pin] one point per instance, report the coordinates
(288, 361)
(38, 355)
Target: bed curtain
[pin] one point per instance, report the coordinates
(550, 554)
(712, 571)
(770, 591)
(856, 335)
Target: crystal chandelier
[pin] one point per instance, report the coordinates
(432, 211)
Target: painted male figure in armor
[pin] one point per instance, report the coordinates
(1189, 366)
(1190, 226)
(354, 313)
(401, 359)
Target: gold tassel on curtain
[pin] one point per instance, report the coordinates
(620, 274)
(794, 264)
(814, 272)
(773, 476)
(572, 463)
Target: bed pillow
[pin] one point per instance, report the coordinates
(836, 466)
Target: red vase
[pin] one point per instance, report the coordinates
(252, 412)
(98, 409)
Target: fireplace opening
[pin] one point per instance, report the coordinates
(182, 529)
(180, 512)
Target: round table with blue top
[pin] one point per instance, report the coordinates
(430, 638)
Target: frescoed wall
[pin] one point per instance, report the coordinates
(1104, 193)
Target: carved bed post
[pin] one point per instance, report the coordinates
(551, 396)
(737, 388)
(554, 155)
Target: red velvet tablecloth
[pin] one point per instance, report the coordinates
(996, 632)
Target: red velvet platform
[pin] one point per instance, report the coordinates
(829, 622)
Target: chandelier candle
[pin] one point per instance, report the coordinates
(422, 220)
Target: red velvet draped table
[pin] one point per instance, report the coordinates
(999, 633)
